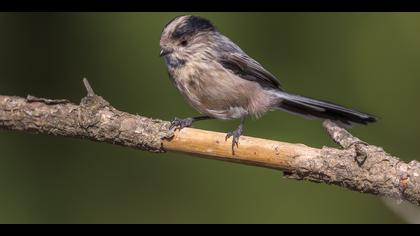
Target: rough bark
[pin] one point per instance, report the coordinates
(357, 166)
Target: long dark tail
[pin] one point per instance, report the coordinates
(321, 109)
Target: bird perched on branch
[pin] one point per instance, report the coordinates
(221, 81)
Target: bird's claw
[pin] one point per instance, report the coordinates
(178, 123)
(235, 138)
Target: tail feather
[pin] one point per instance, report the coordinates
(321, 109)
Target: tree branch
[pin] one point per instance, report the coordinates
(358, 166)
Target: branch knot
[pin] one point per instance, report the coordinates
(90, 106)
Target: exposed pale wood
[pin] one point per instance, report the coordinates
(251, 151)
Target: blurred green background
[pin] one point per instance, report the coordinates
(367, 61)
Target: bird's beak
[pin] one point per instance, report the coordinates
(164, 51)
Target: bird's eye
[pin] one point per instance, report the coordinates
(184, 43)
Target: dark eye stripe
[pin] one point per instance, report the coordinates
(191, 26)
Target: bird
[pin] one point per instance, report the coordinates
(219, 80)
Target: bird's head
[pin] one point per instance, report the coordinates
(184, 35)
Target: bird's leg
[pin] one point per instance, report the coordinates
(178, 123)
(235, 135)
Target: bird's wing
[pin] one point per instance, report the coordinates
(247, 68)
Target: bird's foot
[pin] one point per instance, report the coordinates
(235, 138)
(178, 123)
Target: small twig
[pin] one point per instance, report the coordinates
(375, 171)
(89, 89)
(341, 136)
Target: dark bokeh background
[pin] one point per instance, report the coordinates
(368, 61)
